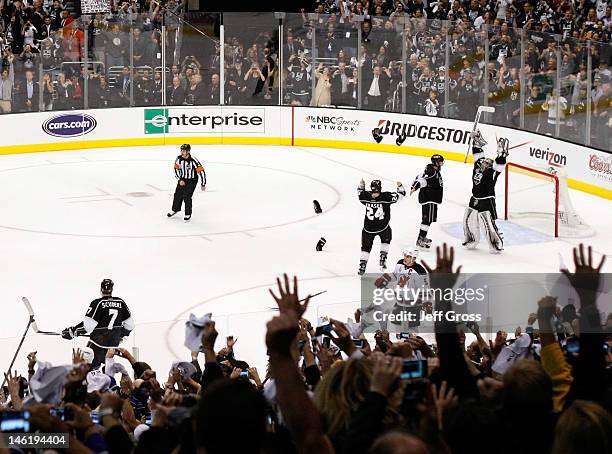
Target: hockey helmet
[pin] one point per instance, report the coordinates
(437, 158)
(485, 163)
(107, 286)
(411, 252)
(186, 147)
(376, 186)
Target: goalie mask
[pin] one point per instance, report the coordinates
(485, 163)
(375, 186)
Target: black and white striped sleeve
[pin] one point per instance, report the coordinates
(177, 169)
(200, 171)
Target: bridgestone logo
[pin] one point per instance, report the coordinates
(440, 134)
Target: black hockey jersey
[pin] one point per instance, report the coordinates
(484, 180)
(378, 210)
(107, 317)
(430, 185)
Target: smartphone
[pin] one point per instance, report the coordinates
(244, 373)
(148, 419)
(326, 342)
(62, 413)
(323, 329)
(572, 345)
(15, 421)
(95, 418)
(413, 369)
(359, 343)
(403, 335)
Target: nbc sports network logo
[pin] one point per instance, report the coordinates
(156, 121)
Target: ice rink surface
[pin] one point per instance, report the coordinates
(71, 219)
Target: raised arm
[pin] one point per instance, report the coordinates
(299, 412)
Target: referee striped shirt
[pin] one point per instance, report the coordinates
(188, 169)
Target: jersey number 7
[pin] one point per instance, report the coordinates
(113, 313)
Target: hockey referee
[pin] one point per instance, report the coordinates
(186, 169)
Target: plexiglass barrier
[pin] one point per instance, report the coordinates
(555, 85)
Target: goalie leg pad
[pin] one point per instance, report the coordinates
(471, 229)
(496, 243)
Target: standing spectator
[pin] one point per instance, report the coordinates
(236, 86)
(122, 85)
(7, 79)
(252, 78)
(377, 89)
(64, 92)
(212, 91)
(322, 94)
(48, 91)
(27, 97)
(46, 29)
(175, 96)
(340, 85)
(28, 59)
(195, 95)
(116, 47)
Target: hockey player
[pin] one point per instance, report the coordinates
(376, 220)
(413, 280)
(430, 187)
(482, 203)
(106, 321)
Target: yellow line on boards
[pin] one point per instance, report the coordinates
(245, 140)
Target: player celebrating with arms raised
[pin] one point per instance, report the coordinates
(376, 220)
(107, 321)
(186, 169)
(482, 203)
(431, 189)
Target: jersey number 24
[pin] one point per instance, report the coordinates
(378, 214)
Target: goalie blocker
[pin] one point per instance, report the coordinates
(482, 206)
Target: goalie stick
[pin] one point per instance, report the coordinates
(481, 109)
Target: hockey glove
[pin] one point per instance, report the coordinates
(68, 333)
(382, 281)
(376, 135)
(125, 332)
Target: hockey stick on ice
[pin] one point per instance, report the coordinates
(481, 109)
(303, 299)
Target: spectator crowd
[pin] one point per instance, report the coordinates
(529, 59)
(547, 390)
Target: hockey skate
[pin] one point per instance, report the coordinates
(172, 213)
(423, 243)
(383, 261)
(362, 267)
(188, 217)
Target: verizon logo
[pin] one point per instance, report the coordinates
(552, 158)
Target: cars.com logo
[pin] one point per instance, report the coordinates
(69, 125)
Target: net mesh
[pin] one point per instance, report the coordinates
(530, 199)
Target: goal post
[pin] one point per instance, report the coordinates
(535, 205)
(528, 170)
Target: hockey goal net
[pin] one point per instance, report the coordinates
(542, 201)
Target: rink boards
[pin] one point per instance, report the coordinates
(588, 170)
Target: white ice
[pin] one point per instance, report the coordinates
(70, 219)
